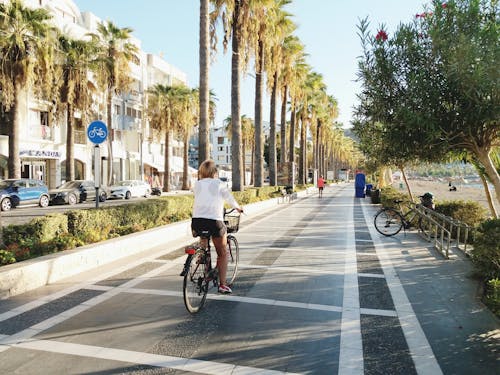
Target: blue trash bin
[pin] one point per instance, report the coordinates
(359, 185)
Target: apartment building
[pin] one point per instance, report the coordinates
(137, 153)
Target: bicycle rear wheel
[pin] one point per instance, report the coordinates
(233, 256)
(388, 222)
(195, 285)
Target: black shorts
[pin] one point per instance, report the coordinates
(216, 228)
(321, 188)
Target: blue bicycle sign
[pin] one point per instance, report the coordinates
(97, 132)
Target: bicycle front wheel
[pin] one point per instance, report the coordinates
(233, 256)
(195, 285)
(388, 222)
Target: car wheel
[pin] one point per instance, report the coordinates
(102, 197)
(6, 204)
(44, 201)
(147, 194)
(128, 195)
(72, 199)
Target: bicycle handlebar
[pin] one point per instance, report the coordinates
(231, 210)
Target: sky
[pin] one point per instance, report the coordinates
(327, 28)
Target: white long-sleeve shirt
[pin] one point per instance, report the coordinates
(209, 197)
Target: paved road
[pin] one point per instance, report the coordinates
(23, 215)
(319, 292)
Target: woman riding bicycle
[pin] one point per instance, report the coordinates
(209, 196)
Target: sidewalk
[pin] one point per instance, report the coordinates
(319, 291)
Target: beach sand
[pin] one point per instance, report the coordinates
(442, 192)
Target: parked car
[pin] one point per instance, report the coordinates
(130, 188)
(23, 191)
(76, 191)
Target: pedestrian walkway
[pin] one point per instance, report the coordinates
(318, 292)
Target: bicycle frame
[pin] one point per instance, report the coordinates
(191, 251)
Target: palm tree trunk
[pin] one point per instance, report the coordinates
(272, 134)
(185, 163)
(166, 176)
(111, 136)
(302, 178)
(283, 124)
(259, 138)
(204, 144)
(14, 162)
(252, 179)
(291, 151)
(244, 163)
(316, 151)
(236, 161)
(70, 142)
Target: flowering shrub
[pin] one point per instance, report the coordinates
(381, 35)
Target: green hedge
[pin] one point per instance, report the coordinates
(71, 229)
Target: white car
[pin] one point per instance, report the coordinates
(130, 188)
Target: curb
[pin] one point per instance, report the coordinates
(21, 277)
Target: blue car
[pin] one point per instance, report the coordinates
(23, 191)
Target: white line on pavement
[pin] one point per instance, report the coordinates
(420, 350)
(351, 345)
(148, 359)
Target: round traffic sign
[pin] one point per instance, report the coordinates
(97, 132)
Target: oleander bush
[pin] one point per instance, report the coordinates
(486, 252)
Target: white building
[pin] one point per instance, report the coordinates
(136, 153)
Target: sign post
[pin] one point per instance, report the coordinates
(97, 133)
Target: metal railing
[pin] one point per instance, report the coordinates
(444, 231)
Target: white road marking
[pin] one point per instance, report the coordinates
(420, 350)
(351, 345)
(156, 360)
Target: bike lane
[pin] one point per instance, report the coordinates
(315, 294)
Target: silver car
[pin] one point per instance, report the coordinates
(130, 188)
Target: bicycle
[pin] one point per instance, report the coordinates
(389, 221)
(198, 271)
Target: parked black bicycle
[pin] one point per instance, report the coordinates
(199, 274)
(389, 221)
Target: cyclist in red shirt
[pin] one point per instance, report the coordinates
(321, 186)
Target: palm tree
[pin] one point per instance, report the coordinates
(236, 19)
(247, 138)
(204, 149)
(185, 114)
(114, 55)
(291, 50)
(76, 90)
(160, 117)
(26, 51)
(260, 35)
(281, 28)
(298, 75)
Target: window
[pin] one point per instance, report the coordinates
(118, 109)
(220, 148)
(220, 140)
(221, 158)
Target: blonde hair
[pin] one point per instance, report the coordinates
(207, 169)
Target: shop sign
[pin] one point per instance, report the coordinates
(47, 154)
